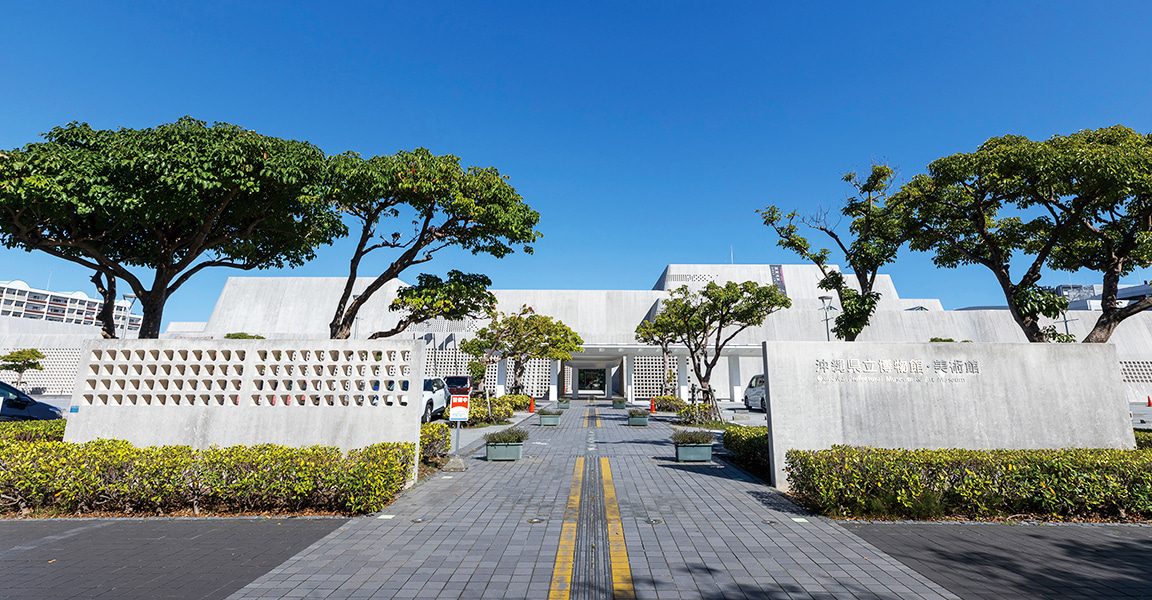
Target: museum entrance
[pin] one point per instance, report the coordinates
(590, 379)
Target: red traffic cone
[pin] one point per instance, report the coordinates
(652, 408)
(532, 405)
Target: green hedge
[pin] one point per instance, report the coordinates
(518, 402)
(919, 484)
(33, 431)
(478, 412)
(669, 404)
(1143, 438)
(112, 475)
(750, 444)
(434, 440)
(695, 413)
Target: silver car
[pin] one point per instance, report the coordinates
(754, 394)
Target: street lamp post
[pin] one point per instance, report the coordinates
(128, 314)
(827, 302)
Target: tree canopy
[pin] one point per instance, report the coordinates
(1080, 201)
(520, 337)
(461, 296)
(170, 200)
(707, 320)
(876, 237)
(474, 209)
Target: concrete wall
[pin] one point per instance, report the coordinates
(201, 393)
(974, 396)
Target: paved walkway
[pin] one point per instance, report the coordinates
(595, 509)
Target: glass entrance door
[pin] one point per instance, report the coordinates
(592, 379)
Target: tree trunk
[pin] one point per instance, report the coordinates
(152, 305)
(1103, 329)
(107, 290)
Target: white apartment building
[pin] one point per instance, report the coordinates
(20, 301)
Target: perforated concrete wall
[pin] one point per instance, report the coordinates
(201, 393)
(58, 376)
(973, 396)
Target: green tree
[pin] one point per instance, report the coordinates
(20, 361)
(981, 208)
(241, 335)
(474, 209)
(521, 337)
(706, 321)
(876, 237)
(463, 295)
(1105, 184)
(167, 201)
(658, 331)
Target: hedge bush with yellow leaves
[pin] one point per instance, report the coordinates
(919, 484)
(113, 475)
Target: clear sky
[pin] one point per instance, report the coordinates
(645, 133)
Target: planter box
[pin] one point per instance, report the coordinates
(619, 403)
(638, 421)
(693, 452)
(505, 451)
(564, 404)
(549, 420)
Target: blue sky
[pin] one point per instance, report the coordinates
(644, 133)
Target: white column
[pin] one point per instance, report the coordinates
(502, 378)
(608, 383)
(553, 380)
(734, 380)
(629, 370)
(575, 383)
(682, 376)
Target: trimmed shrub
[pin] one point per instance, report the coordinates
(695, 413)
(478, 412)
(549, 411)
(518, 402)
(113, 475)
(512, 435)
(694, 436)
(1143, 438)
(435, 440)
(638, 412)
(748, 444)
(33, 431)
(669, 404)
(918, 484)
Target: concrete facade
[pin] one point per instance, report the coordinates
(201, 393)
(943, 395)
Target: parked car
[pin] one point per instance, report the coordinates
(754, 394)
(461, 385)
(18, 406)
(435, 398)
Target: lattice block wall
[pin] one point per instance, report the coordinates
(648, 375)
(445, 362)
(537, 375)
(58, 376)
(347, 393)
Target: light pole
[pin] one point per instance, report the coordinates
(127, 316)
(827, 302)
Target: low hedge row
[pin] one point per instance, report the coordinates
(478, 412)
(33, 431)
(518, 402)
(750, 444)
(669, 404)
(919, 484)
(434, 440)
(113, 475)
(695, 413)
(1143, 438)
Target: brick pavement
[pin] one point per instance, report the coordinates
(721, 534)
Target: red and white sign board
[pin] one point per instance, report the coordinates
(458, 411)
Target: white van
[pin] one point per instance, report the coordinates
(754, 394)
